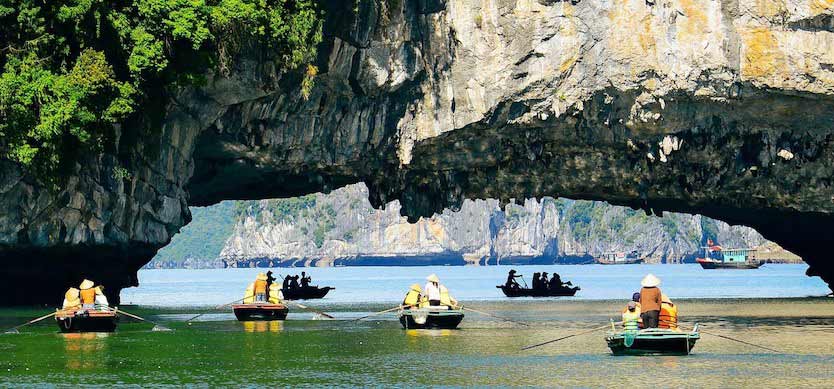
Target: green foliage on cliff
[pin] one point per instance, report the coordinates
(202, 239)
(72, 71)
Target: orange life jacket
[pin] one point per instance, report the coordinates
(668, 316)
(260, 287)
(88, 296)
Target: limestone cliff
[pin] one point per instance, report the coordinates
(341, 228)
(721, 108)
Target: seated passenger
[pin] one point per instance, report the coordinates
(536, 281)
(89, 293)
(412, 298)
(260, 287)
(630, 317)
(432, 290)
(545, 285)
(249, 294)
(445, 299)
(668, 314)
(72, 299)
(276, 296)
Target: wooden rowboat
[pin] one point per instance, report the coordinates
(652, 341)
(308, 293)
(86, 320)
(430, 317)
(526, 292)
(260, 311)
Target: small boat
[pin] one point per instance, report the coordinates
(86, 320)
(260, 311)
(620, 258)
(306, 293)
(716, 257)
(430, 317)
(527, 292)
(652, 341)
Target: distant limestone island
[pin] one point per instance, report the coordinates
(342, 229)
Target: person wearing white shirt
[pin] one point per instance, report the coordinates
(432, 290)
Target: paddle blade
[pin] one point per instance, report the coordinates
(159, 328)
(12, 331)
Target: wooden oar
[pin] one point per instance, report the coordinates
(495, 316)
(379, 313)
(568, 336)
(741, 341)
(302, 306)
(156, 326)
(216, 308)
(14, 330)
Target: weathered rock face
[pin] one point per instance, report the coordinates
(341, 228)
(721, 108)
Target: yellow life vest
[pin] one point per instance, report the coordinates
(275, 295)
(444, 297)
(412, 298)
(630, 320)
(249, 295)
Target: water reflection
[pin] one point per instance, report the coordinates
(263, 326)
(86, 350)
(428, 333)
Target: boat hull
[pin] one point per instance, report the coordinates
(260, 312)
(524, 292)
(308, 293)
(423, 318)
(626, 262)
(87, 321)
(653, 342)
(728, 265)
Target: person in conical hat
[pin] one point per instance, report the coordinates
(260, 287)
(88, 294)
(432, 290)
(651, 299)
(412, 298)
(72, 300)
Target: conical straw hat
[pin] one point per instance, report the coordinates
(664, 298)
(433, 278)
(650, 281)
(261, 276)
(86, 284)
(416, 288)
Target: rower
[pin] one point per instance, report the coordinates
(305, 280)
(432, 290)
(72, 299)
(412, 298)
(511, 282)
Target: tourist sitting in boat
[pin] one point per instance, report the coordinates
(432, 290)
(294, 282)
(286, 284)
(543, 282)
(413, 297)
(72, 299)
(446, 300)
(90, 294)
(260, 287)
(537, 281)
(511, 282)
(668, 313)
(305, 280)
(631, 317)
(650, 300)
(276, 296)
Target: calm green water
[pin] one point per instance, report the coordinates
(219, 351)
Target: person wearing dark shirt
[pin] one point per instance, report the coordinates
(305, 280)
(511, 282)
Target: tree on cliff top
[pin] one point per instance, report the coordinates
(72, 71)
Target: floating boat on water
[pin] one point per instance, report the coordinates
(306, 293)
(620, 258)
(716, 257)
(652, 341)
(82, 320)
(527, 292)
(260, 311)
(430, 318)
